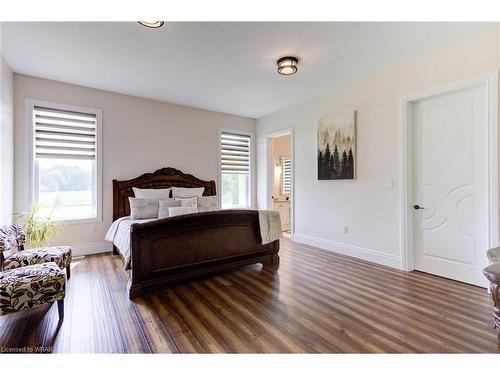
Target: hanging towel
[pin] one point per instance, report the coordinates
(270, 226)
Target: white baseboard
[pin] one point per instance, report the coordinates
(91, 248)
(369, 255)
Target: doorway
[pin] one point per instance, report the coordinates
(450, 190)
(281, 177)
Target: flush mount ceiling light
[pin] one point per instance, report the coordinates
(151, 24)
(287, 65)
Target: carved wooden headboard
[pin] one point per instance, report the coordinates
(160, 179)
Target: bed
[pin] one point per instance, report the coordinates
(174, 249)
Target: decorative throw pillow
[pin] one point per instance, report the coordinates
(143, 208)
(164, 205)
(187, 192)
(152, 193)
(189, 202)
(176, 211)
(208, 203)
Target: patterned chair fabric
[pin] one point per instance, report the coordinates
(25, 287)
(11, 236)
(60, 255)
(494, 255)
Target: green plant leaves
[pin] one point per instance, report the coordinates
(39, 229)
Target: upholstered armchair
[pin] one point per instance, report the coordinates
(12, 237)
(492, 273)
(24, 287)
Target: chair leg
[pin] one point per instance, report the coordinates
(60, 308)
(68, 272)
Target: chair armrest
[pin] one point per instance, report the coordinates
(492, 273)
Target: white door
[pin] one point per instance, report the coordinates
(450, 184)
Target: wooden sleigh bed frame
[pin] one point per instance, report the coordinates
(184, 247)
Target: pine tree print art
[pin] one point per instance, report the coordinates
(336, 147)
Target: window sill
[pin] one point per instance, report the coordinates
(78, 221)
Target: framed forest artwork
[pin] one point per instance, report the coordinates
(336, 147)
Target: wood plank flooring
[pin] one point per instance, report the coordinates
(316, 301)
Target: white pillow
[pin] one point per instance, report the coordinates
(152, 193)
(208, 203)
(189, 202)
(187, 192)
(143, 208)
(176, 211)
(164, 205)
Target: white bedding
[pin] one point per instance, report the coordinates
(119, 234)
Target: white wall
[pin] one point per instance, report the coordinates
(371, 211)
(6, 141)
(139, 136)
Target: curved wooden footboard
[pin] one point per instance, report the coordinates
(188, 246)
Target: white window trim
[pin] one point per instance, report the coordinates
(251, 134)
(30, 141)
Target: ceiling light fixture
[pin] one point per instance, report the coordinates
(151, 24)
(287, 65)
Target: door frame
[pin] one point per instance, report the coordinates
(488, 80)
(270, 171)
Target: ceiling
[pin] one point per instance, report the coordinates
(226, 67)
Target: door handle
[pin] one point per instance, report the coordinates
(417, 207)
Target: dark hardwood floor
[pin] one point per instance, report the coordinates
(316, 301)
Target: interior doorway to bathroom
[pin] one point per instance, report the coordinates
(281, 184)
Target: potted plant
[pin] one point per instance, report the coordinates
(39, 229)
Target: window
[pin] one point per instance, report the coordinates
(66, 161)
(286, 179)
(235, 169)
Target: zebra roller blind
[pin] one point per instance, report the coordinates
(63, 134)
(286, 178)
(235, 153)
